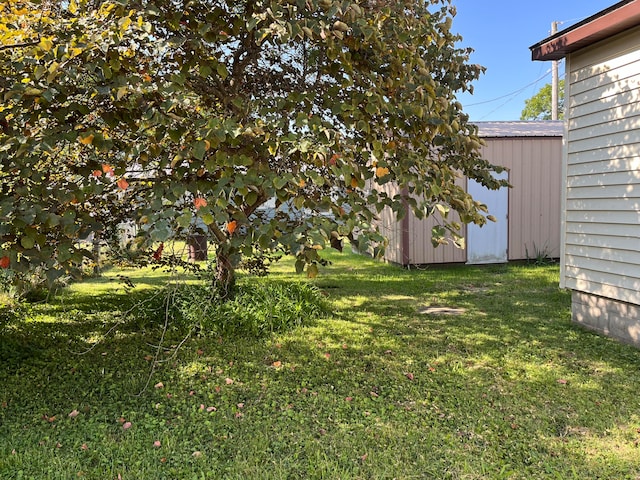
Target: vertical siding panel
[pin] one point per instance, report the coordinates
(421, 249)
(534, 165)
(391, 228)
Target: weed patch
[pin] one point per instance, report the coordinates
(258, 307)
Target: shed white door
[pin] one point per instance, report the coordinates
(489, 243)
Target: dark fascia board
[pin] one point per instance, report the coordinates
(610, 21)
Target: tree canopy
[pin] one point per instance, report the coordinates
(261, 124)
(538, 107)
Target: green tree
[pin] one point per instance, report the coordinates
(538, 107)
(190, 116)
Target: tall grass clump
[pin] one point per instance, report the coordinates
(257, 308)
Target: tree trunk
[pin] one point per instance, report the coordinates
(197, 248)
(225, 278)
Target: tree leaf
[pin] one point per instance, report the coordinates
(312, 270)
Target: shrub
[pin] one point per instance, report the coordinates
(257, 308)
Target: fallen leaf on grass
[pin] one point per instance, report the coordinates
(74, 414)
(228, 381)
(126, 425)
(561, 381)
(157, 444)
(277, 364)
(196, 454)
(374, 394)
(348, 399)
(84, 446)
(159, 385)
(409, 375)
(211, 409)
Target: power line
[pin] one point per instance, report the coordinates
(508, 100)
(520, 90)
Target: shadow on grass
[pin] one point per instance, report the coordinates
(510, 385)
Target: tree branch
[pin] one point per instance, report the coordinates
(20, 45)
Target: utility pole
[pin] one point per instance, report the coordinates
(554, 80)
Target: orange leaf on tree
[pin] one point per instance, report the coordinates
(231, 226)
(354, 182)
(97, 173)
(5, 262)
(157, 255)
(86, 140)
(122, 184)
(199, 202)
(382, 172)
(108, 169)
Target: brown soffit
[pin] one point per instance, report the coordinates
(611, 21)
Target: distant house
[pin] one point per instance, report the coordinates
(528, 214)
(600, 250)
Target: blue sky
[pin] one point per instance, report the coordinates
(501, 32)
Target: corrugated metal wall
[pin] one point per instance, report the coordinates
(391, 228)
(534, 206)
(421, 250)
(535, 173)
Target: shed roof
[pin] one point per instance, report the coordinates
(606, 23)
(545, 128)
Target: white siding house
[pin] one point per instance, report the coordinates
(600, 248)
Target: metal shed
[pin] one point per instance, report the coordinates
(528, 214)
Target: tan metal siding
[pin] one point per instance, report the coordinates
(601, 253)
(534, 199)
(391, 228)
(422, 251)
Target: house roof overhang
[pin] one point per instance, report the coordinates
(610, 21)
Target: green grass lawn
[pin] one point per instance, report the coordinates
(388, 386)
